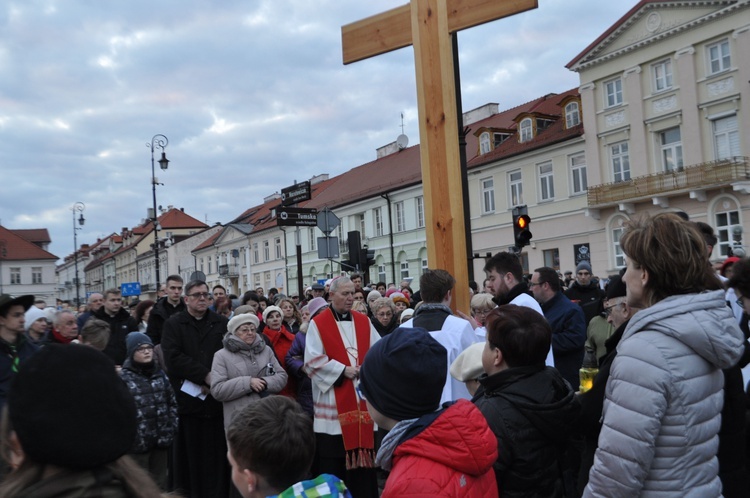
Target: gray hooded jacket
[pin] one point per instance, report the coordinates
(663, 401)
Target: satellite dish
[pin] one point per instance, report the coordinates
(402, 141)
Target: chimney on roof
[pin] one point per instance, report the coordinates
(480, 113)
(170, 207)
(387, 150)
(183, 210)
(271, 197)
(318, 178)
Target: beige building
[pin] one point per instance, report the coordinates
(665, 99)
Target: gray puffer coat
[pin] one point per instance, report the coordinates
(663, 401)
(235, 365)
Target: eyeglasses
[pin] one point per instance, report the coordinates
(608, 309)
(199, 295)
(245, 330)
(477, 311)
(533, 284)
(144, 348)
(385, 314)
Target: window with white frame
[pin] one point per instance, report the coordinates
(515, 186)
(256, 254)
(420, 211)
(671, 149)
(726, 220)
(719, 58)
(572, 115)
(36, 274)
(210, 263)
(424, 266)
(381, 273)
(620, 160)
(277, 247)
(578, 179)
(613, 92)
(201, 264)
(662, 74)
(726, 137)
(488, 195)
(266, 251)
(312, 239)
(546, 181)
(526, 131)
(15, 275)
(377, 214)
(484, 143)
(617, 231)
(361, 217)
(400, 216)
(404, 270)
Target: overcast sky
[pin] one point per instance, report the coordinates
(251, 94)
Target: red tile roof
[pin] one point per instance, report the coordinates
(35, 235)
(209, 241)
(14, 247)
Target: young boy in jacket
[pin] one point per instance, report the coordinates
(430, 452)
(271, 448)
(156, 406)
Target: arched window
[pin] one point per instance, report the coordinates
(726, 217)
(484, 143)
(526, 131)
(572, 115)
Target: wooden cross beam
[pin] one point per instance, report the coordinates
(428, 25)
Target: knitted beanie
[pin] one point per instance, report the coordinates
(238, 320)
(33, 314)
(268, 311)
(404, 373)
(70, 408)
(135, 340)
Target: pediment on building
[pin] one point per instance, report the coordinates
(649, 22)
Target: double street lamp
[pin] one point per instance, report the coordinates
(161, 142)
(77, 207)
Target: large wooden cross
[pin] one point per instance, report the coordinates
(428, 26)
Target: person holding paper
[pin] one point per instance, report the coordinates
(189, 340)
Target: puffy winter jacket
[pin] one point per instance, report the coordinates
(531, 411)
(451, 457)
(155, 403)
(663, 401)
(235, 365)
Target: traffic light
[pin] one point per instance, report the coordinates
(366, 260)
(521, 222)
(354, 243)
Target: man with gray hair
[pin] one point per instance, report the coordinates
(94, 303)
(337, 342)
(64, 328)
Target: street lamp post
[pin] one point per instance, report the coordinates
(161, 142)
(77, 207)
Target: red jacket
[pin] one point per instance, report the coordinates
(452, 457)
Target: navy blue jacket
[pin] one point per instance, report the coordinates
(568, 336)
(24, 350)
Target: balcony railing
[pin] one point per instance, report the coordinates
(229, 271)
(699, 176)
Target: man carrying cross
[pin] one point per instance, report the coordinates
(337, 342)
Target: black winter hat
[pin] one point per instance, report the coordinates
(616, 287)
(70, 408)
(136, 339)
(404, 373)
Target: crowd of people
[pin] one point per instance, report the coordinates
(376, 390)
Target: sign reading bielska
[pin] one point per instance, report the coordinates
(296, 193)
(296, 217)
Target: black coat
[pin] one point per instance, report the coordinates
(189, 346)
(120, 326)
(160, 313)
(531, 411)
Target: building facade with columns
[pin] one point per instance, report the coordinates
(665, 97)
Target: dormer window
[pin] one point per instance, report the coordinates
(484, 143)
(500, 138)
(525, 130)
(572, 115)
